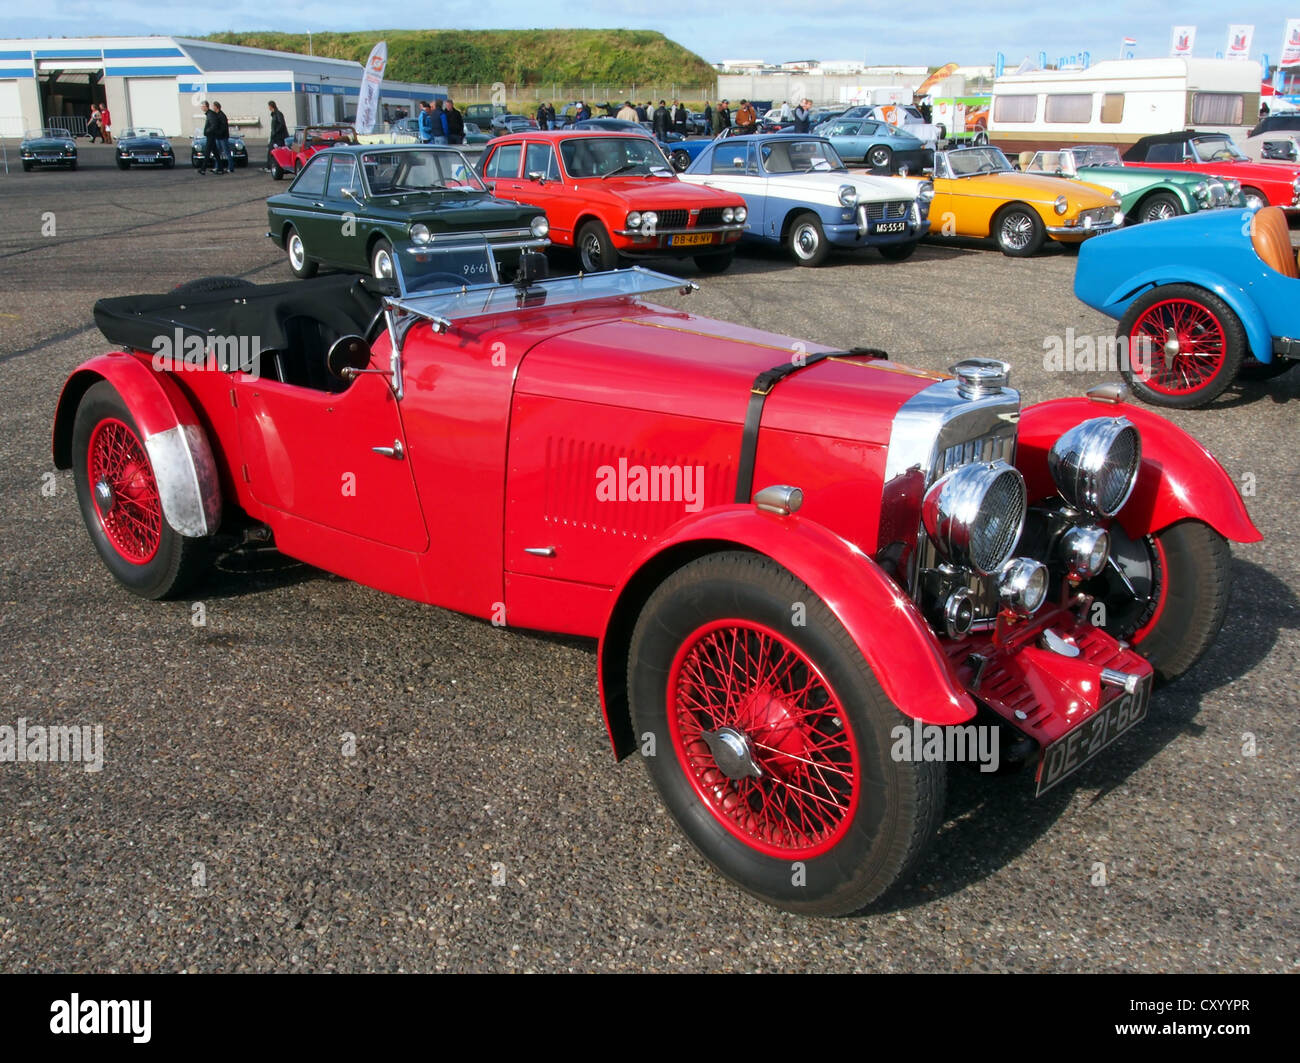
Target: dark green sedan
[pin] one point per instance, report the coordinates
(48, 147)
(351, 204)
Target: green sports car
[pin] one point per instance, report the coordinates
(350, 205)
(48, 147)
(1145, 195)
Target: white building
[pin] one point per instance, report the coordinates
(159, 81)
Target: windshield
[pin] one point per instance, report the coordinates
(142, 131)
(419, 270)
(47, 134)
(607, 156)
(1211, 148)
(1062, 162)
(799, 156)
(971, 161)
(412, 171)
(1097, 155)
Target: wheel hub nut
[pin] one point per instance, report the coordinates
(731, 752)
(104, 496)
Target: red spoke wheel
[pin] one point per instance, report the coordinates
(1185, 346)
(770, 740)
(121, 503)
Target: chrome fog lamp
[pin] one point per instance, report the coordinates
(419, 233)
(742, 213)
(1084, 549)
(848, 196)
(1118, 218)
(1061, 205)
(959, 613)
(539, 226)
(1095, 464)
(975, 513)
(1022, 585)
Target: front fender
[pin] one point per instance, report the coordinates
(188, 486)
(883, 622)
(1117, 300)
(1179, 478)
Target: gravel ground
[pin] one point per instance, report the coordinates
(482, 824)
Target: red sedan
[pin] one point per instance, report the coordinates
(290, 158)
(613, 196)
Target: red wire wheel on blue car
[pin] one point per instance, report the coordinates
(1185, 346)
(769, 739)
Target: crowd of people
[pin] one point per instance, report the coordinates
(99, 125)
(441, 124)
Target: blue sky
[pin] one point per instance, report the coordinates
(773, 30)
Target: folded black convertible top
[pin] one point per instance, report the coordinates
(342, 304)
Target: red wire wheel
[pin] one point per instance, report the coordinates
(760, 735)
(124, 491)
(1185, 346)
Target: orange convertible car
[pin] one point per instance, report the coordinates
(978, 193)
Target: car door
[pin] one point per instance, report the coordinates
(308, 211)
(540, 185)
(734, 168)
(501, 170)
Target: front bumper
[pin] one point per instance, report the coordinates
(1069, 233)
(632, 242)
(858, 233)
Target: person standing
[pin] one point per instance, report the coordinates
(803, 116)
(708, 118)
(627, 113)
(543, 122)
(92, 124)
(642, 115)
(209, 156)
(105, 137)
(279, 133)
(679, 118)
(426, 123)
(224, 163)
(786, 116)
(661, 121)
(724, 114)
(746, 117)
(455, 122)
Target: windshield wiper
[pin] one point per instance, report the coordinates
(621, 169)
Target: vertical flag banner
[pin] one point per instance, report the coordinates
(1184, 40)
(368, 103)
(999, 64)
(1291, 44)
(1239, 38)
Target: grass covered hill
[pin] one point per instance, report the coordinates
(525, 57)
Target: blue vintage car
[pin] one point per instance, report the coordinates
(1200, 299)
(878, 144)
(801, 196)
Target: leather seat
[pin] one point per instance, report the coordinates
(1272, 241)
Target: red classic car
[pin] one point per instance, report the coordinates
(1262, 183)
(292, 157)
(613, 196)
(816, 577)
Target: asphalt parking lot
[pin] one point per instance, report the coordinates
(482, 823)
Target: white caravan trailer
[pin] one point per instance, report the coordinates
(1121, 100)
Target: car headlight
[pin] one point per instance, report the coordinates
(634, 219)
(420, 233)
(742, 213)
(1084, 548)
(1022, 585)
(1201, 190)
(728, 215)
(539, 226)
(848, 196)
(975, 513)
(166, 149)
(1061, 205)
(926, 191)
(1095, 464)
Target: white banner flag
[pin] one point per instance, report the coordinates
(1239, 38)
(1291, 43)
(1183, 40)
(368, 103)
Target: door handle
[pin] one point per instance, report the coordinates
(318, 204)
(395, 451)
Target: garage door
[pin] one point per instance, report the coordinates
(11, 110)
(152, 102)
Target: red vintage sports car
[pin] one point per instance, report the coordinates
(815, 576)
(1262, 183)
(292, 157)
(613, 196)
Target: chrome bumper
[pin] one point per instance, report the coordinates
(1079, 230)
(735, 227)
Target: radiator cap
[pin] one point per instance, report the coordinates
(977, 377)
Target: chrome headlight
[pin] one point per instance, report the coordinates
(1084, 549)
(1201, 190)
(926, 191)
(1022, 585)
(848, 196)
(420, 233)
(742, 213)
(728, 215)
(1095, 464)
(634, 219)
(1061, 205)
(975, 513)
(539, 226)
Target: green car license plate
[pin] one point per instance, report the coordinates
(1071, 751)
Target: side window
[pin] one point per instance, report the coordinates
(540, 158)
(311, 182)
(1112, 108)
(343, 174)
(730, 158)
(1170, 152)
(505, 161)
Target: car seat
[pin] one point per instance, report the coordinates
(1026, 157)
(1271, 238)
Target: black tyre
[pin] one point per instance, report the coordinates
(715, 263)
(880, 157)
(596, 250)
(806, 240)
(681, 160)
(277, 171)
(1159, 206)
(1019, 231)
(168, 163)
(1166, 593)
(212, 284)
(122, 164)
(72, 165)
(120, 504)
(302, 264)
(772, 741)
(381, 260)
(1185, 346)
(980, 139)
(27, 167)
(899, 252)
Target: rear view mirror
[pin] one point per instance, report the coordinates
(532, 267)
(347, 356)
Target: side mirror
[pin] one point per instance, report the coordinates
(536, 175)
(532, 267)
(348, 355)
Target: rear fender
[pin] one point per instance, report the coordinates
(178, 448)
(1179, 478)
(883, 622)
